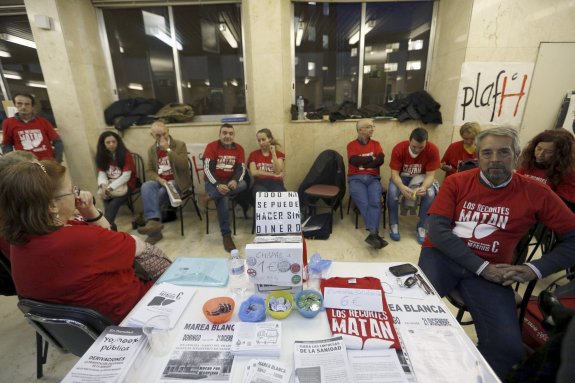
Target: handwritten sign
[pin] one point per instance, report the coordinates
(493, 93)
(277, 213)
(353, 299)
(278, 264)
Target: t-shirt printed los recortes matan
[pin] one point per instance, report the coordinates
(360, 329)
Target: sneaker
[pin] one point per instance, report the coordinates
(152, 226)
(421, 232)
(154, 238)
(229, 244)
(394, 233)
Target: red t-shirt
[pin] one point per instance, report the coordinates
(492, 221)
(114, 170)
(361, 329)
(355, 148)
(165, 170)
(426, 161)
(455, 154)
(226, 159)
(80, 265)
(265, 163)
(34, 136)
(565, 189)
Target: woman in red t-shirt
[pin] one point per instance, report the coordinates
(461, 151)
(60, 260)
(550, 158)
(116, 174)
(267, 164)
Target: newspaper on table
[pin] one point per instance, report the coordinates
(257, 338)
(266, 371)
(322, 361)
(201, 353)
(110, 358)
(162, 299)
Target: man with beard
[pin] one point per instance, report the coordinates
(475, 223)
(550, 158)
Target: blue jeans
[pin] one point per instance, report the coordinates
(365, 191)
(491, 305)
(112, 206)
(154, 196)
(393, 194)
(222, 204)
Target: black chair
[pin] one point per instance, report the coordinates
(187, 196)
(539, 237)
(135, 193)
(7, 287)
(69, 328)
(383, 208)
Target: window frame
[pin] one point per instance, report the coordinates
(361, 50)
(200, 118)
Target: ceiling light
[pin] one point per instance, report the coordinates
(306, 80)
(299, 34)
(366, 29)
(18, 40)
(36, 84)
(228, 35)
(234, 82)
(413, 65)
(5, 54)
(12, 75)
(135, 86)
(162, 36)
(155, 25)
(206, 83)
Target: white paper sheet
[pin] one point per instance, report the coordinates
(376, 366)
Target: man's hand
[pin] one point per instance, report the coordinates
(233, 184)
(223, 189)
(407, 192)
(494, 273)
(420, 191)
(164, 143)
(519, 273)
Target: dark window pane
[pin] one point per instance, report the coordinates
(396, 49)
(326, 64)
(211, 62)
(20, 65)
(141, 50)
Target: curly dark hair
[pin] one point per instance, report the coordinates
(103, 156)
(563, 160)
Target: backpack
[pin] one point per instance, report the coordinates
(317, 226)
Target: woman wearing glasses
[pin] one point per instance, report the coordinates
(58, 259)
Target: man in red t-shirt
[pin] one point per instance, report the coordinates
(26, 131)
(224, 171)
(475, 224)
(167, 163)
(413, 165)
(365, 157)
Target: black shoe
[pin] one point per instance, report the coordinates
(383, 242)
(373, 240)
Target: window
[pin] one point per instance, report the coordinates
(187, 54)
(388, 40)
(20, 69)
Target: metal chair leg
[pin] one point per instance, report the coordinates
(41, 355)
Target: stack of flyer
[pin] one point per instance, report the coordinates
(113, 356)
(162, 299)
(322, 361)
(257, 339)
(268, 371)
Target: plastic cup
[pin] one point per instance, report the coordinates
(157, 331)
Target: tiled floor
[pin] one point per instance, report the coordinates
(17, 347)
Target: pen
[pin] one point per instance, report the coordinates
(424, 284)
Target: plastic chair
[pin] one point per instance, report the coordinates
(68, 328)
(189, 195)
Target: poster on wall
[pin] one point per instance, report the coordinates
(493, 93)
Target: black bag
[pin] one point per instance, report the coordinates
(317, 226)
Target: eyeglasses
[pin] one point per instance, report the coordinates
(75, 193)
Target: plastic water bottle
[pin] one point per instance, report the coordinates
(300, 108)
(237, 283)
